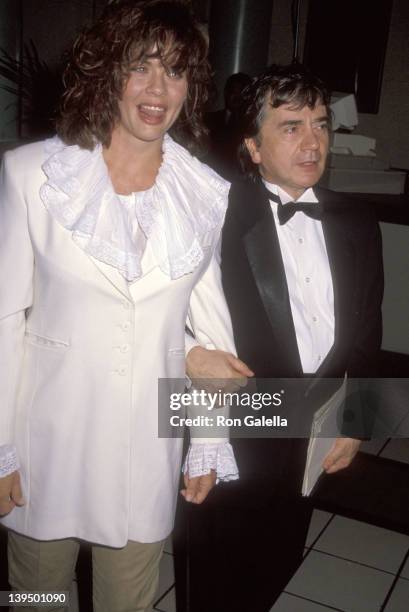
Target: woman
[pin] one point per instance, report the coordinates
(105, 231)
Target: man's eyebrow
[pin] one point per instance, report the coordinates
(321, 119)
(290, 122)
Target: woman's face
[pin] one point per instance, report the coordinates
(152, 100)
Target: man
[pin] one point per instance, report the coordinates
(304, 287)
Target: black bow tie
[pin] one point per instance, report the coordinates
(287, 211)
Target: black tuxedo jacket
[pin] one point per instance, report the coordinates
(256, 290)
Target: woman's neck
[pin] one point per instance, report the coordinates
(132, 165)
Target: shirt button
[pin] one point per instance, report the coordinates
(122, 371)
(126, 325)
(315, 319)
(319, 357)
(301, 240)
(124, 348)
(126, 305)
(307, 279)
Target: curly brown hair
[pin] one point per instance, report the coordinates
(99, 66)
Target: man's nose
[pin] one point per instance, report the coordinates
(310, 139)
(157, 82)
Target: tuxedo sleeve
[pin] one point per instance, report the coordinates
(362, 406)
(16, 293)
(364, 359)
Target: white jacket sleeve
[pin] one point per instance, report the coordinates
(210, 322)
(209, 317)
(16, 293)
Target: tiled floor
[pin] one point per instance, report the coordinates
(349, 566)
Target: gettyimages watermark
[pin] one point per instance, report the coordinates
(216, 401)
(284, 407)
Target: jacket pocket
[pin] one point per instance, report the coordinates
(176, 352)
(176, 363)
(45, 341)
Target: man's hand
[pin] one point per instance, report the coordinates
(10, 493)
(341, 454)
(197, 488)
(214, 364)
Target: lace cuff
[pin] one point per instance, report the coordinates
(8, 460)
(201, 458)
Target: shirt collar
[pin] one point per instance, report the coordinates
(308, 196)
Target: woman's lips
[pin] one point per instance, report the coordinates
(151, 114)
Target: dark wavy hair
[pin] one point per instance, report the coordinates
(293, 85)
(99, 65)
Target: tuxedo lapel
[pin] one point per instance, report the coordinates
(264, 255)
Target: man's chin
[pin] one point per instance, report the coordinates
(309, 178)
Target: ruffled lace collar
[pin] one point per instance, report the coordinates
(187, 201)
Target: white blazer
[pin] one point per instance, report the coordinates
(81, 352)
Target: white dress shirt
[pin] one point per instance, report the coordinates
(309, 280)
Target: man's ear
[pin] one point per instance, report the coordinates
(252, 148)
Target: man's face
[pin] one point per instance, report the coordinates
(292, 146)
(151, 102)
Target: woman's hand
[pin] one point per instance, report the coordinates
(198, 488)
(11, 494)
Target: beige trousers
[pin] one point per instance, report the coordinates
(123, 579)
